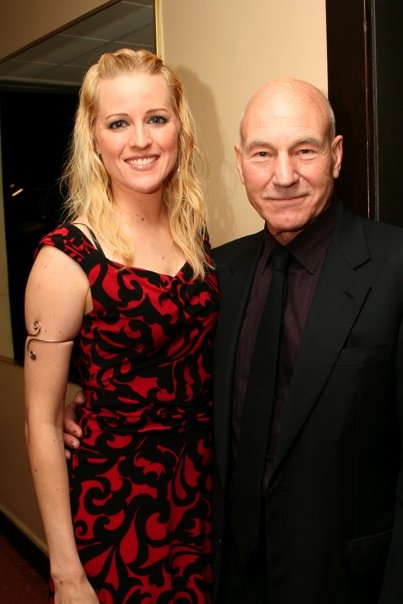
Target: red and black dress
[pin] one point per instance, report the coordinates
(141, 481)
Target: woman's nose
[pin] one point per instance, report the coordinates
(139, 136)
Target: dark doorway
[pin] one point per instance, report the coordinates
(35, 130)
(365, 52)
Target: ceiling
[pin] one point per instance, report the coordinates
(63, 58)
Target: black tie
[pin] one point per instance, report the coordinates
(256, 419)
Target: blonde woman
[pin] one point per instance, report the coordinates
(128, 275)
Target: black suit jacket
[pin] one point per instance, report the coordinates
(335, 499)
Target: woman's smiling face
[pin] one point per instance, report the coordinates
(136, 132)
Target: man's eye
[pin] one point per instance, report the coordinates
(261, 154)
(305, 151)
(157, 119)
(116, 124)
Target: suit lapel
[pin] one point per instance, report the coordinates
(338, 300)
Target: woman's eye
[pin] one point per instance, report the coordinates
(115, 125)
(157, 119)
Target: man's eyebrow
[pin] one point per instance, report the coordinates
(309, 140)
(256, 143)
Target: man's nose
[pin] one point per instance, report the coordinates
(285, 173)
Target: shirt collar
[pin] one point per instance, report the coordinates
(309, 247)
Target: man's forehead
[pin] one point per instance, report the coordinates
(265, 123)
(264, 128)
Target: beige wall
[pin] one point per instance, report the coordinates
(17, 499)
(224, 51)
(24, 22)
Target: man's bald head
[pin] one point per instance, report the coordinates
(283, 90)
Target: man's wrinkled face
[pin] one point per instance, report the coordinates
(287, 158)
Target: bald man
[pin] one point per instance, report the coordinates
(330, 518)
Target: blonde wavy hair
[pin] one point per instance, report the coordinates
(88, 185)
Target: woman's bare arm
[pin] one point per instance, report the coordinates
(56, 299)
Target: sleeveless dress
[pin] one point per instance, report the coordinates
(141, 482)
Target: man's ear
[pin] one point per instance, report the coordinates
(239, 161)
(337, 153)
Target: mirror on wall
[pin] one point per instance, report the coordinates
(38, 97)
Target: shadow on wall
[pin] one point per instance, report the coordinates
(221, 174)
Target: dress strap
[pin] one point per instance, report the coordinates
(94, 237)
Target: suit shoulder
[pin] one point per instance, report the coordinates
(380, 237)
(242, 245)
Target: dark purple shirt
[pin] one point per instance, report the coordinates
(308, 253)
